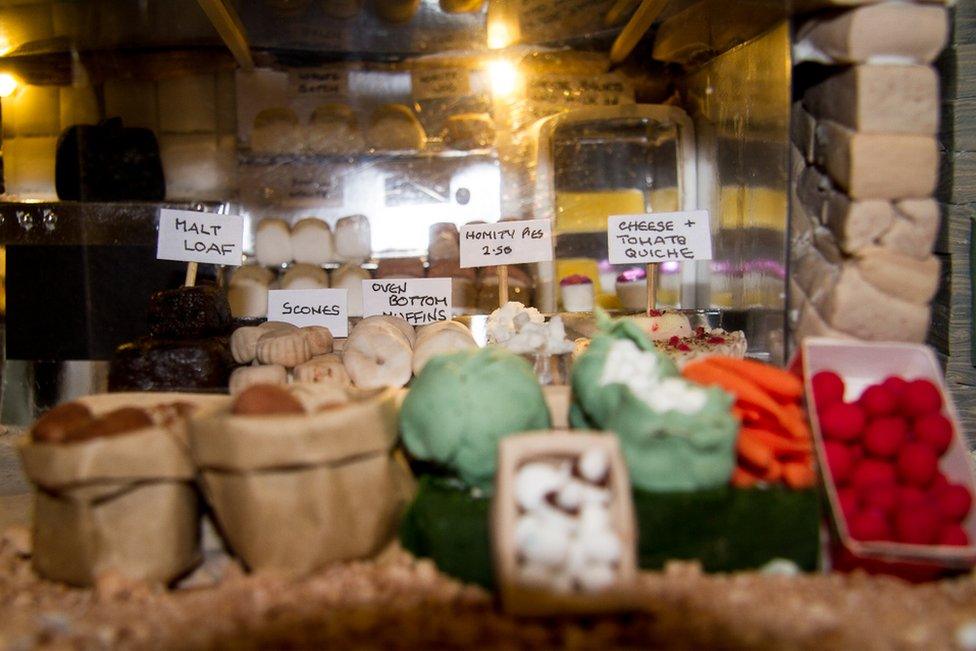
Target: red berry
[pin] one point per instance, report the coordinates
(870, 525)
(878, 401)
(885, 436)
(953, 534)
(954, 502)
(871, 472)
(842, 421)
(849, 502)
(935, 430)
(909, 496)
(857, 452)
(880, 497)
(917, 526)
(828, 389)
(839, 461)
(920, 397)
(938, 483)
(895, 385)
(917, 464)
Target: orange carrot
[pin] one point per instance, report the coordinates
(796, 411)
(742, 478)
(776, 443)
(754, 452)
(799, 475)
(782, 385)
(744, 390)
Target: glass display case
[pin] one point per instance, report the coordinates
(415, 115)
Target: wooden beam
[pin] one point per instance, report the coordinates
(228, 24)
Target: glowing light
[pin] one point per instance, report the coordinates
(503, 76)
(8, 84)
(500, 34)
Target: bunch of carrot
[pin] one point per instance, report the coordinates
(774, 444)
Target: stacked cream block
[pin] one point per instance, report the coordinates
(865, 166)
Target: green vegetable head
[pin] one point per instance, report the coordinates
(462, 404)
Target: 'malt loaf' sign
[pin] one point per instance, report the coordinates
(191, 236)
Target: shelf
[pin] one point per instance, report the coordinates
(364, 158)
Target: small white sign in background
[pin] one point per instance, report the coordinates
(418, 300)
(436, 83)
(489, 245)
(306, 307)
(659, 237)
(192, 236)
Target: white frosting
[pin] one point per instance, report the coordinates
(640, 372)
(524, 330)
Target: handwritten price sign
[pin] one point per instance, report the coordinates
(489, 245)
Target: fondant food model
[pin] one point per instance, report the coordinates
(524, 330)
(674, 335)
(74, 422)
(577, 293)
(462, 404)
(564, 537)
(774, 445)
(675, 435)
(883, 454)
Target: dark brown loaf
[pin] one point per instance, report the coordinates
(266, 400)
(189, 313)
(56, 424)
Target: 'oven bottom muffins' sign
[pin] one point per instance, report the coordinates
(418, 300)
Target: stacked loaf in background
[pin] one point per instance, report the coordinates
(865, 167)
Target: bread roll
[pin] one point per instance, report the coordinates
(272, 242)
(377, 355)
(244, 343)
(266, 400)
(448, 339)
(305, 276)
(353, 239)
(276, 131)
(319, 339)
(350, 277)
(288, 348)
(401, 324)
(312, 242)
(324, 368)
(333, 129)
(394, 127)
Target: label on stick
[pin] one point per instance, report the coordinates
(659, 237)
(307, 307)
(192, 236)
(331, 82)
(440, 82)
(489, 245)
(418, 300)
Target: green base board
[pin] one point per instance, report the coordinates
(725, 529)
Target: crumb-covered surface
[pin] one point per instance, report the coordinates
(401, 602)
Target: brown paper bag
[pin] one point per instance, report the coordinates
(520, 599)
(125, 503)
(293, 493)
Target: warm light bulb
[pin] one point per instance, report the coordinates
(503, 76)
(8, 84)
(499, 35)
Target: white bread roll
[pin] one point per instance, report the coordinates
(394, 127)
(377, 355)
(353, 239)
(305, 276)
(276, 131)
(350, 277)
(245, 376)
(272, 242)
(248, 298)
(312, 242)
(333, 129)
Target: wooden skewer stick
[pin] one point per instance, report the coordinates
(502, 285)
(191, 274)
(651, 286)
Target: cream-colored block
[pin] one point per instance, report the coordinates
(857, 307)
(811, 268)
(22, 24)
(878, 166)
(78, 106)
(226, 166)
(914, 228)
(188, 104)
(226, 103)
(879, 99)
(810, 323)
(34, 111)
(899, 275)
(33, 161)
(888, 32)
(190, 164)
(854, 224)
(133, 101)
